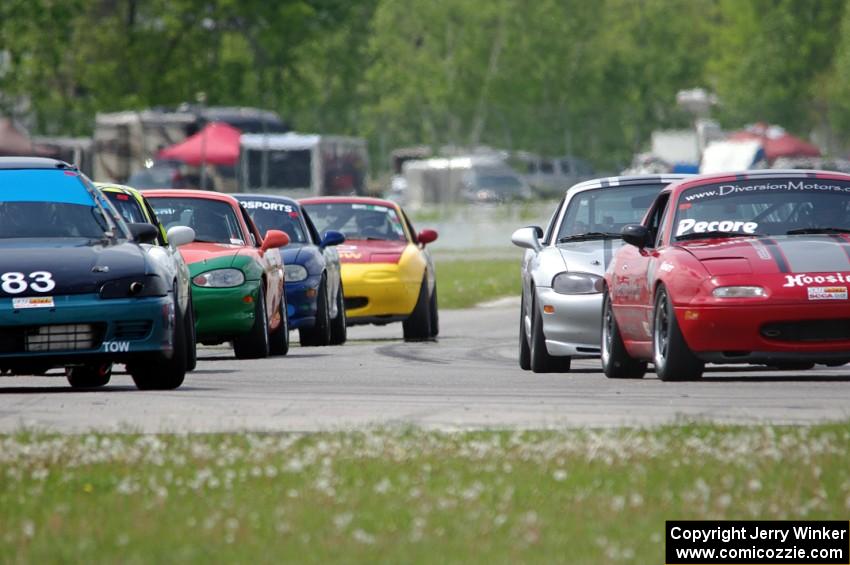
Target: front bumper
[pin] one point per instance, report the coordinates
(575, 326)
(223, 313)
(736, 333)
(379, 290)
(301, 302)
(85, 328)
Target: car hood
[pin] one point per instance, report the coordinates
(367, 251)
(290, 254)
(75, 266)
(589, 256)
(773, 255)
(203, 252)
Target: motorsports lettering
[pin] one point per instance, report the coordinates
(802, 185)
(260, 205)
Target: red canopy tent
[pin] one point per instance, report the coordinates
(776, 142)
(216, 144)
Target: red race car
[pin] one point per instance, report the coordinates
(732, 268)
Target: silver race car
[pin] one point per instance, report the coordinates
(561, 310)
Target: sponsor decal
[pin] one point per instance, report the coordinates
(801, 185)
(667, 267)
(804, 279)
(275, 206)
(827, 292)
(116, 346)
(33, 302)
(690, 225)
(350, 255)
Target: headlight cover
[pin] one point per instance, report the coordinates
(577, 283)
(134, 287)
(294, 273)
(219, 278)
(739, 292)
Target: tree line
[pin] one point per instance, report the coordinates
(552, 76)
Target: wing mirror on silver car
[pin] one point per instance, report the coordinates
(528, 238)
(180, 235)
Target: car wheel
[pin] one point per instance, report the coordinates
(339, 330)
(279, 339)
(89, 376)
(541, 361)
(524, 349)
(417, 326)
(320, 334)
(435, 314)
(673, 359)
(159, 372)
(616, 361)
(191, 339)
(255, 344)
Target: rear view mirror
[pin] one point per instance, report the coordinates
(427, 236)
(180, 235)
(144, 233)
(636, 234)
(331, 238)
(528, 238)
(274, 239)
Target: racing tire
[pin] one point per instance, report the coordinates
(673, 359)
(320, 334)
(161, 373)
(279, 338)
(616, 361)
(524, 349)
(255, 343)
(417, 326)
(191, 338)
(435, 314)
(541, 360)
(339, 329)
(89, 376)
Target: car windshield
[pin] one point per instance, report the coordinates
(276, 216)
(779, 206)
(127, 206)
(214, 221)
(358, 221)
(52, 204)
(606, 210)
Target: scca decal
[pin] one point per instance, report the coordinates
(730, 226)
(804, 279)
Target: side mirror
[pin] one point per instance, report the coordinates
(635, 234)
(180, 235)
(331, 238)
(274, 239)
(427, 236)
(144, 233)
(528, 238)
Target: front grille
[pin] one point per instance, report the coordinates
(808, 330)
(354, 302)
(133, 329)
(60, 337)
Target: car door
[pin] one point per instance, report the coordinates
(632, 278)
(331, 260)
(174, 256)
(270, 261)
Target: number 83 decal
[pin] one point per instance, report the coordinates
(16, 283)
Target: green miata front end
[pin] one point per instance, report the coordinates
(223, 312)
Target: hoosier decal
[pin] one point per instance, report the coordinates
(804, 279)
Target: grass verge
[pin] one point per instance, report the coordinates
(463, 283)
(404, 496)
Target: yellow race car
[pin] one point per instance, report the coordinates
(387, 272)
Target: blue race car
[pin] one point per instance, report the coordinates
(314, 295)
(77, 290)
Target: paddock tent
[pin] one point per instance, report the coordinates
(216, 144)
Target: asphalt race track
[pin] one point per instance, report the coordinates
(468, 379)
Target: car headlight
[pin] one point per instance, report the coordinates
(739, 292)
(134, 287)
(295, 273)
(577, 283)
(219, 278)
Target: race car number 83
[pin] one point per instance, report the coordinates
(16, 283)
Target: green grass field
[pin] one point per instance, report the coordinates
(404, 496)
(463, 283)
